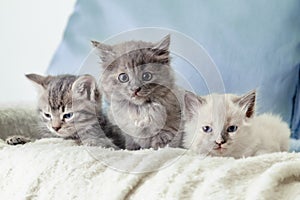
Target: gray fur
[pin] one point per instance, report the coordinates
(150, 117)
(18, 120)
(78, 95)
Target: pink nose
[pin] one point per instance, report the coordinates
(220, 142)
(136, 90)
(56, 128)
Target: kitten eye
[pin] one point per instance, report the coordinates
(207, 129)
(68, 115)
(123, 78)
(47, 115)
(231, 129)
(147, 76)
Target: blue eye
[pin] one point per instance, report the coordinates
(68, 115)
(147, 76)
(123, 77)
(231, 129)
(207, 129)
(47, 115)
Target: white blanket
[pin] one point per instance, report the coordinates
(58, 169)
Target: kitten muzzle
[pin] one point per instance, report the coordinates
(220, 142)
(56, 128)
(139, 94)
(136, 91)
(219, 147)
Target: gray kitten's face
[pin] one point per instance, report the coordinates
(66, 102)
(136, 71)
(216, 122)
(59, 122)
(138, 84)
(56, 112)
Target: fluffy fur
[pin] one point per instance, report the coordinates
(138, 83)
(225, 125)
(70, 107)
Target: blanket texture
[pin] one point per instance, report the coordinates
(58, 169)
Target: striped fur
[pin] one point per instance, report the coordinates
(70, 107)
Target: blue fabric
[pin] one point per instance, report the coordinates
(296, 111)
(294, 145)
(255, 44)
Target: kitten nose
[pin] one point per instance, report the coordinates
(56, 128)
(220, 142)
(136, 89)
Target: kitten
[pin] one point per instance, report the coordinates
(226, 125)
(70, 107)
(138, 83)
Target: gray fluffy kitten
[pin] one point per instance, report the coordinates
(70, 107)
(138, 83)
(226, 125)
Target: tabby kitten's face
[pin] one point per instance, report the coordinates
(66, 102)
(216, 124)
(136, 71)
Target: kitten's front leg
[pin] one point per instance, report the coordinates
(163, 138)
(17, 139)
(91, 137)
(130, 144)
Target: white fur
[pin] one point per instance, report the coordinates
(266, 133)
(256, 135)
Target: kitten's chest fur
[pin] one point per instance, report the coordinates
(143, 122)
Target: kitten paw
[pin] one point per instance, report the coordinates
(17, 139)
(161, 140)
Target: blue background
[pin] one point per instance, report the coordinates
(254, 44)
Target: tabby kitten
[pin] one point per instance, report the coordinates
(138, 83)
(226, 125)
(70, 107)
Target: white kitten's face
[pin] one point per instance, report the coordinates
(215, 125)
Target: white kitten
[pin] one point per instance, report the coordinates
(225, 125)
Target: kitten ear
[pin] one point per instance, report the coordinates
(104, 51)
(85, 87)
(192, 103)
(164, 43)
(247, 103)
(161, 49)
(39, 79)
